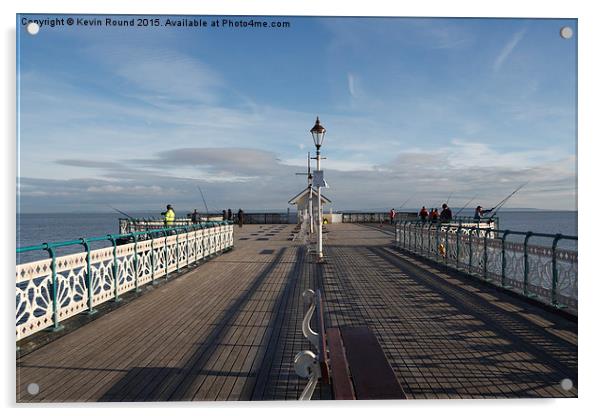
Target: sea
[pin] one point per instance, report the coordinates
(35, 229)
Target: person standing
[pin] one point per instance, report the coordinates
(170, 216)
(392, 214)
(229, 214)
(224, 215)
(241, 216)
(446, 213)
(435, 216)
(423, 214)
(479, 212)
(195, 217)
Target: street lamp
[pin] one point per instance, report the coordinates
(317, 133)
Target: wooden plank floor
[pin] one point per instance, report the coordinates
(229, 329)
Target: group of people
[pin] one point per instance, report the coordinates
(434, 215)
(446, 214)
(240, 216)
(169, 216)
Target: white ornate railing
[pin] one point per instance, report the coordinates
(52, 290)
(548, 274)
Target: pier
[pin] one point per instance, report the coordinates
(230, 327)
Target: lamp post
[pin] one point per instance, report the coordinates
(317, 133)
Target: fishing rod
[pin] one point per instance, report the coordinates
(462, 209)
(405, 202)
(204, 202)
(496, 208)
(121, 212)
(450, 194)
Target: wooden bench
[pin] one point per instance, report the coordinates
(350, 359)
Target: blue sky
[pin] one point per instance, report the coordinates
(414, 108)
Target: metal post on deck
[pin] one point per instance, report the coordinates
(55, 307)
(503, 282)
(152, 257)
(115, 268)
(458, 231)
(318, 132)
(526, 266)
(136, 283)
(166, 253)
(177, 250)
(485, 254)
(91, 310)
(470, 231)
(555, 271)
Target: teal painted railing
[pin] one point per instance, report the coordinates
(546, 273)
(51, 290)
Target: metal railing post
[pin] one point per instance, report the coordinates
(89, 282)
(115, 268)
(55, 307)
(555, 271)
(136, 283)
(166, 253)
(503, 282)
(458, 232)
(447, 243)
(152, 257)
(526, 266)
(485, 256)
(470, 231)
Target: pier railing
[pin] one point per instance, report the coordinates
(545, 272)
(51, 290)
(374, 217)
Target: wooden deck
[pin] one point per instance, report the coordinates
(229, 329)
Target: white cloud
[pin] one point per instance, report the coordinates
(351, 84)
(507, 49)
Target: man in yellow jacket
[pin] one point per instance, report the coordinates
(170, 216)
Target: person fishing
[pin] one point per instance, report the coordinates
(169, 215)
(446, 213)
(435, 215)
(423, 214)
(479, 212)
(224, 215)
(229, 214)
(195, 217)
(241, 217)
(392, 215)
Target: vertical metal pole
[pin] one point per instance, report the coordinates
(428, 250)
(447, 243)
(115, 269)
(485, 254)
(526, 267)
(319, 248)
(437, 231)
(177, 250)
(458, 231)
(166, 252)
(555, 271)
(506, 232)
(55, 307)
(91, 310)
(470, 231)
(136, 283)
(152, 258)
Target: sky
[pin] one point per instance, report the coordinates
(414, 108)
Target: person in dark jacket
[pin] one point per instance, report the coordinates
(241, 216)
(224, 215)
(479, 211)
(229, 214)
(446, 213)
